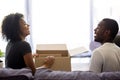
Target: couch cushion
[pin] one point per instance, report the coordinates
(12, 74)
(47, 74)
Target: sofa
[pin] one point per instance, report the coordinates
(48, 74)
(16, 74)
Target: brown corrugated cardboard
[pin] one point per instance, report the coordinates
(52, 49)
(61, 63)
(60, 51)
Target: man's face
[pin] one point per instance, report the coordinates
(99, 32)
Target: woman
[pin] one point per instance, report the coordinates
(18, 52)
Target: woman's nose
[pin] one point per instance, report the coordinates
(27, 25)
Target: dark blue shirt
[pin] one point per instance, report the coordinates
(14, 56)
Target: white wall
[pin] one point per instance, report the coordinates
(61, 21)
(7, 7)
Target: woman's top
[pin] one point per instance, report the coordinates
(14, 56)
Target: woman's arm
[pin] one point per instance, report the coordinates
(28, 58)
(48, 62)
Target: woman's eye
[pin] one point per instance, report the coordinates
(26, 25)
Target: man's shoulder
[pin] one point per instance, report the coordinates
(98, 50)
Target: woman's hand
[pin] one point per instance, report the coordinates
(35, 55)
(49, 61)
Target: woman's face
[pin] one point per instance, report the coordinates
(24, 28)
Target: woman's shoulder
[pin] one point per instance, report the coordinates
(18, 42)
(21, 43)
(25, 42)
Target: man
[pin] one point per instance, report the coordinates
(106, 57)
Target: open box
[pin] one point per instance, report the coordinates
(60, 51)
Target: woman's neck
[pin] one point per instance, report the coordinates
(23, 38)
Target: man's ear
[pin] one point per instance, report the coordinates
(107, 32)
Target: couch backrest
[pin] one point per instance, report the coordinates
(15, 77)
(110, 75)
(46, 74)
(15, 74)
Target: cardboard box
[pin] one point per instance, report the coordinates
(60, 51)
(78, 51)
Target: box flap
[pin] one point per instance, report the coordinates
(52, 49)
(78, 50)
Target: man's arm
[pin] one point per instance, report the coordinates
(96, 62)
